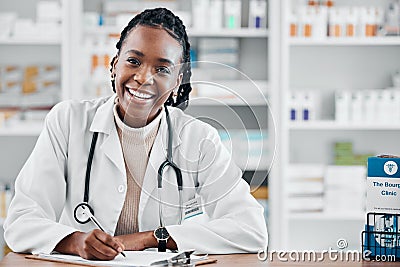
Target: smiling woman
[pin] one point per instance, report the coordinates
(129, 190)
(146, 71)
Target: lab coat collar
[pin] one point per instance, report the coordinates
(103, 122)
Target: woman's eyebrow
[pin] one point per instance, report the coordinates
(166, 60)
(140, 54)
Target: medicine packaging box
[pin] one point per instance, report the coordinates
(381, 237)
(383, 185)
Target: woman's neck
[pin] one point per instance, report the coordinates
(135, 122)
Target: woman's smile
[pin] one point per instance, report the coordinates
(140, 95)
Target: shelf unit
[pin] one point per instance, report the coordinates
(325, 65)
(199, 101)
(239, 33)
(335, 41)
(339, 126)
(21, 135)
(30, 41)
(327, 217)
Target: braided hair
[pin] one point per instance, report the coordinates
(164, 18)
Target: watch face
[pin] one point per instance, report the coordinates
(161, 233)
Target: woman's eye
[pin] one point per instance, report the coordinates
(133, 61)
(163, 70)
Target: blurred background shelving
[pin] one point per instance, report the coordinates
(339, 63)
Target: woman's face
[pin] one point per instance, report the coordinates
(146, 71)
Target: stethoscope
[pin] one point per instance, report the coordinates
(83, 212)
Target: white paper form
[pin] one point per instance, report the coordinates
(133, 258)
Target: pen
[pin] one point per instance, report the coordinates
(96, 222)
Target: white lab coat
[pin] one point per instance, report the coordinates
(51, 184)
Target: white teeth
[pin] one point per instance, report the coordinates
(139, 95)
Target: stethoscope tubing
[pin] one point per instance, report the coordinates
(83, 216)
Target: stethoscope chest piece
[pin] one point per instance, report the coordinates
(82, 213)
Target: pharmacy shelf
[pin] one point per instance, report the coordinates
(21, 128)
(235, 93)
(371, 41)
(219, 101)
(240, 33)
(30, 41)
(334, 125)
(327, 216)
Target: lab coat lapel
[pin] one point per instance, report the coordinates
(103, 122)
(112, 149)
(157, 156)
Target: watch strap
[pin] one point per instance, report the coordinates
(162, 245)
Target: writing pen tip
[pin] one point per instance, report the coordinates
(123, 254)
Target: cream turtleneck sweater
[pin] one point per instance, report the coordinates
(136, 145)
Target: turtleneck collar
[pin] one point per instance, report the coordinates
(142, 132)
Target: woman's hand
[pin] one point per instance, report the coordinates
(93, 245)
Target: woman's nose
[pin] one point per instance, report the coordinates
(144, 76)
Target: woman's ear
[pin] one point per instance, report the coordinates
(179, 80)
(113, 64)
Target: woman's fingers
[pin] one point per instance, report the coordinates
(102, 246)
(110, 241)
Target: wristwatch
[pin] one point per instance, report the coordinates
(162, 235)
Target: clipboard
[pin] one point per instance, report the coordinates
(80, 261)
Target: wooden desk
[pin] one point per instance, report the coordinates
(14, 259)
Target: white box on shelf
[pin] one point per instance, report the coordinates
(90, 19)
(199, 13)
(370, 99)
(344, 189)
(342, 105)
(311, 102)
(258, 14)
(48, 11)
(304, 105)
(299, 188)
(7, 20)
(320, 21)
(294, 106)
(310, 172)
(345, 177)
(25, 28)
(386, 106)
(233, 14)
(396, 112)
(215, 14)
(356, 107)
(47, 29)
(342, 202)
(305, 204)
